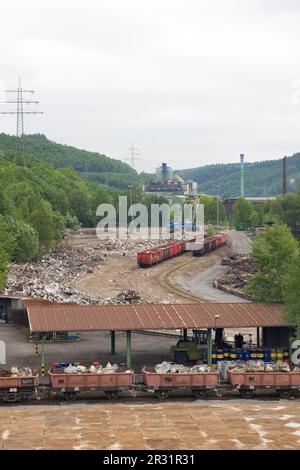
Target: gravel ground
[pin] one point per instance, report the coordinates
(237, 425)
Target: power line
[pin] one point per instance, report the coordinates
(133, 152)
(19, 101)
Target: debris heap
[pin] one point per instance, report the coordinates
(52, 277)
(240, 269)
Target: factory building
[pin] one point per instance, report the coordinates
(170, 185)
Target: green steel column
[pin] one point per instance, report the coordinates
(258, 337)
(113, 342)
(209, 346)
(128, 348)
(43, 356)
(185, 334)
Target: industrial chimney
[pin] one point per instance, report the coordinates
(164, 172)
(284, 176)
(242, 156)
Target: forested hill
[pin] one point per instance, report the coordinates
(261, 178)
(90, 165)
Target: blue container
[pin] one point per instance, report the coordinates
(267, 355)
(240, 354)
(214, 359)
(253, 354)
(260, 354)
(226, 354)
(233, 355)
(246, 354)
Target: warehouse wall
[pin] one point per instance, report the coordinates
(276, 337)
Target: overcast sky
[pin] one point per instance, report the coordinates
(189, 82)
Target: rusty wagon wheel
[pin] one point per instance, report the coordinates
(10, 397)
(284, 393)
(246, 393)
(200, 393)
(161, 394)
(70, 396)
(112, 394)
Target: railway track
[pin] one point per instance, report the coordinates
(168, 283)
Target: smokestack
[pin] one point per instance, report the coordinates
(164, 172)
(242, 156)
(284, 176)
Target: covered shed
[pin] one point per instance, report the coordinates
(66, 317)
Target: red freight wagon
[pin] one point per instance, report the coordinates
(162, 384)
(72, 384)
(247, 382)
(16, 388)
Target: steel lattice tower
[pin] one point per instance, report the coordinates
(133, 152)
(19, 102)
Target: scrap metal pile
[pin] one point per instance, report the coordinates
(52, 277)
(261, 366)
(170, 367)
(18, 372)
(240, 269)
(95, 368)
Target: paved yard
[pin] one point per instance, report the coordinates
(175, 425)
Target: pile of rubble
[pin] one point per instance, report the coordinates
(260, 366)
(52, 277)
(240, 269)
(18, 372)
(95, 368)
(170, 367)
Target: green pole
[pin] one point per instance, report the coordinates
(129, 349)
(184, 334)
(43, 356)
(113, 342)
(209, 346)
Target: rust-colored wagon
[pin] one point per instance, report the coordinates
(247, 382)
(163, 383)
(16, 388)
(72, 384)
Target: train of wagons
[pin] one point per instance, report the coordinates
(147, 258)
(71, 386)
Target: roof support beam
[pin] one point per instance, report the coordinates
(209, 346)
(128, 349)
(113, 342)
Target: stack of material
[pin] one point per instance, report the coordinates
(260, 366)
(129, 297)
(170, 367)
(93, 369)
(240, 271)
(18, 372)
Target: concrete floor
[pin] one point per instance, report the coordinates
(199, 425)
(92, 346)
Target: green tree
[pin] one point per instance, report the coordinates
(210, 209)
(6, 245)
(273, 252)
(291, 293)
(26, 242)
(242, 212)
(48, 224)
(72, 222)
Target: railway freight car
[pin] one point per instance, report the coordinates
(173, 248)
(13, 388)
(160, 253)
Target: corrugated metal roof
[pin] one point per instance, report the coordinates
(61, 317)
(36, 302)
